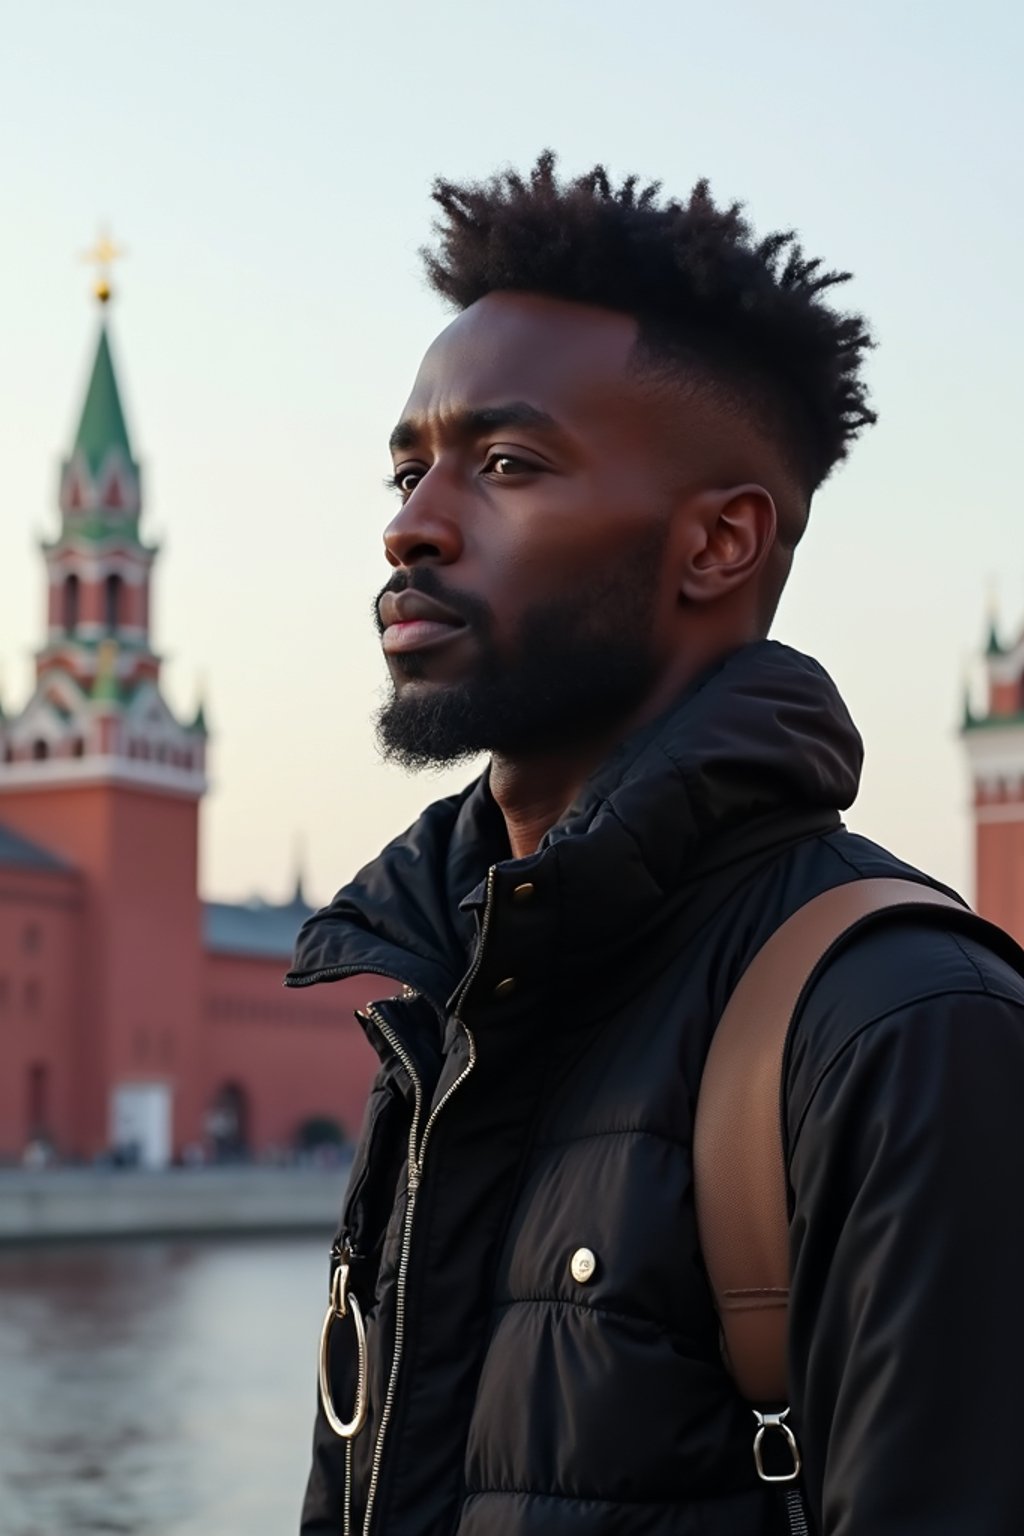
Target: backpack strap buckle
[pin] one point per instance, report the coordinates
(775, 1423)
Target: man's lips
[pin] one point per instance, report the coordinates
(417, 635)
(411, 621)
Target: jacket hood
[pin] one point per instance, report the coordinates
(760, 746)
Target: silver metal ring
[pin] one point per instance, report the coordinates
(343, 1305)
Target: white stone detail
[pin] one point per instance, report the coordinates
(139, 772)
(999, 813)
(92, 565)
(995, 752)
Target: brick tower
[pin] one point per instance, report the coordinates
(995, 749)
(97, 768)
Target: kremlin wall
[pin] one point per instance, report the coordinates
(137, 1019)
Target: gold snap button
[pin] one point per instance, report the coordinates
(582, 1265)
(524, 892)
(505, 988)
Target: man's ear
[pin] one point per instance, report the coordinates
(729, 535)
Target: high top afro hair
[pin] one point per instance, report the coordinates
(748, 316)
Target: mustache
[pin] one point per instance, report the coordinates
(474, 612)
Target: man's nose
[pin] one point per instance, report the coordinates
(426, 529)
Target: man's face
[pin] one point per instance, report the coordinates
(531, 609)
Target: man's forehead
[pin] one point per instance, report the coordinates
(523, 347)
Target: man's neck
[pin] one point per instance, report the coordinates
(533, 793)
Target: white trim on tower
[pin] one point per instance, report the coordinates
(56, 772)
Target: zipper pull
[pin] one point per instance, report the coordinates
(343, 1255)
(343, 1304)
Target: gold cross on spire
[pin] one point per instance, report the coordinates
(102, 256)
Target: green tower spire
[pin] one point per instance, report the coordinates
(100, 492)
(994, 646)
(299, 892)
(102, 426)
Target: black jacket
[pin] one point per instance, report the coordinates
(539, 1074)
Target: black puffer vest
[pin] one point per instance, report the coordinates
(542, 1349)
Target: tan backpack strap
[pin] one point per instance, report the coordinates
(739, 1171)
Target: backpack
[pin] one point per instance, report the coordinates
(739, 1170)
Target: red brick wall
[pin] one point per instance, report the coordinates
(40, 924)
(294, 1052)
(1005, 698)
(138, 978)
(999, 854)
(127, 992)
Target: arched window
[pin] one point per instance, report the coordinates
(78, 747)
(40, 750)
(38, 1099)
(227, 1123)
(71, 596)
(112, 602)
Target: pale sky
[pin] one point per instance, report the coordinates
(268, 167)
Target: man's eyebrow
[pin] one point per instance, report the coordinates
(477, 422)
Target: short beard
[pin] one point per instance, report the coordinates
(580, 668)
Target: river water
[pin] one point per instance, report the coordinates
(158, 1388)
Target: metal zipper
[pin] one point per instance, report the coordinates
(346, 1508)
(416, 1157)
(478, 958)
(403, 1262)
(443, 1100)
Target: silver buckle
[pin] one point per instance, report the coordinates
(766, 1423)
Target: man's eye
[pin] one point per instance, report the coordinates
(404, 481)
(504, 464)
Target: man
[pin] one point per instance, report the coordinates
(604, 467)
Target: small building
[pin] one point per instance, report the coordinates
(994, 738)
(133, 1015)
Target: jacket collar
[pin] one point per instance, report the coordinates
(760, 744)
